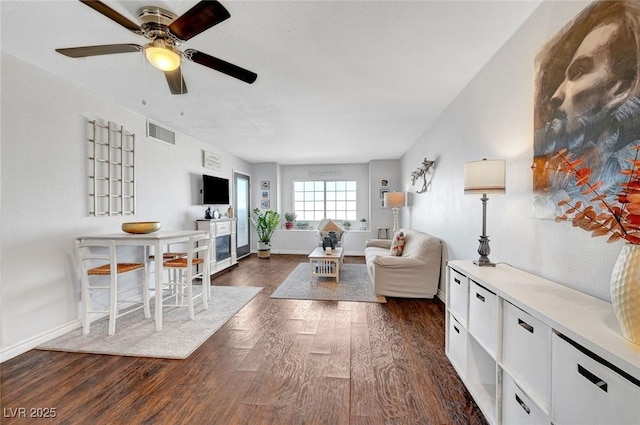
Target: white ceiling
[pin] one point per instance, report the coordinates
(338, 81)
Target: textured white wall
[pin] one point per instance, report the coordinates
(493, 118)
(44, 193)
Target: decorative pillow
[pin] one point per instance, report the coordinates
(397, 245)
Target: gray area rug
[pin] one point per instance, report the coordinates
(354, 286)
(179, 337)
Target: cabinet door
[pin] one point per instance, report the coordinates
(483, 317)
(223, 228)
(517, 407)
(457, 336)
(526, 351)
(458, 295)
(587, 392)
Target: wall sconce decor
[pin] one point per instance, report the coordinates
(423, 171)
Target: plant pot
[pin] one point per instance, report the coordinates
(288, 225)
(264, 249)
(625, 291)
(363, 226)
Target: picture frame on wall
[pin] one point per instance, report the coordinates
(265, 185)
(265, 204)
(384, 182)
(265, 194)
(382, 192)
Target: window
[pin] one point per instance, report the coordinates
(318, 199)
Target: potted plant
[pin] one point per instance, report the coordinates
(363, 224)
(265, 224)
(346, 224)
(290, 218)
(616, 215)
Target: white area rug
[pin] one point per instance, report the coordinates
(136, 336)
(354, 286)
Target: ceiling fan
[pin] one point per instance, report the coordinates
(165, 31)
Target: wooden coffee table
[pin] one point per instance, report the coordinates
(322, 264)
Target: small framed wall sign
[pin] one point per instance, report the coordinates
(211, 160)
(265, 204)
(265, 185)
(384, 182)
(265, 194)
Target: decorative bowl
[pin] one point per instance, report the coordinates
(141, 226)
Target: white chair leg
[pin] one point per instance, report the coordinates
(189, 283)
(86, 305)
(145, 292)
(113, 306)
(206, 285)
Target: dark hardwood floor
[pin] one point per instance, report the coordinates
(275, 362)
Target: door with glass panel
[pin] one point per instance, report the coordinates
(241, 196)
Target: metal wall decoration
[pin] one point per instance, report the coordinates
(423, 173)
(112, 183)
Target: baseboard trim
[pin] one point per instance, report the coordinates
(31, 343)
(441, 295)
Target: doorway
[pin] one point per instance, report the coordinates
(242, 206)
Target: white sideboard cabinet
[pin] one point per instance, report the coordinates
(531, 351)
(222, 251)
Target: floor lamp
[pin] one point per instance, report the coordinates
(486, 176)
(395, 201)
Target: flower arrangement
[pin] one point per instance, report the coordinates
(620, 219)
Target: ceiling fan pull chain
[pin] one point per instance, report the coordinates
(144, 79)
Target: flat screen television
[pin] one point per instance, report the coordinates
(215, 190)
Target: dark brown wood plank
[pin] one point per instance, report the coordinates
(276, 361)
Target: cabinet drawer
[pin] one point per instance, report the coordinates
(526, 351)
(517, 407)
(458, 295)
(223, 228)
(585, 391)
(457, 353)
(483, 316)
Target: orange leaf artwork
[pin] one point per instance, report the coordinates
(620, 219)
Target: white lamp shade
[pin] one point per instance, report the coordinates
(486, 176)
(395, 200)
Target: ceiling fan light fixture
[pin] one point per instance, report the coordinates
(165, 58)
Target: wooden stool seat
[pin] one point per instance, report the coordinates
(105, 252)
(169, 255)
(181, 262)
(178, 291)
(120, 267)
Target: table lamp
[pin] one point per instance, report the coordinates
(486, 176)
(395, 200)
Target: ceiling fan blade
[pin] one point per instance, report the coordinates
(220, 65)
(199, 18)
(105, 49)
(176, 81)
(113, 15)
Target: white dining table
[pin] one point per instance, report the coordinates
(157, 241)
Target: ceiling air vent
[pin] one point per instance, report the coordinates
(157, 132)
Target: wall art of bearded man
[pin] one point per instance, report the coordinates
(587, 102)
